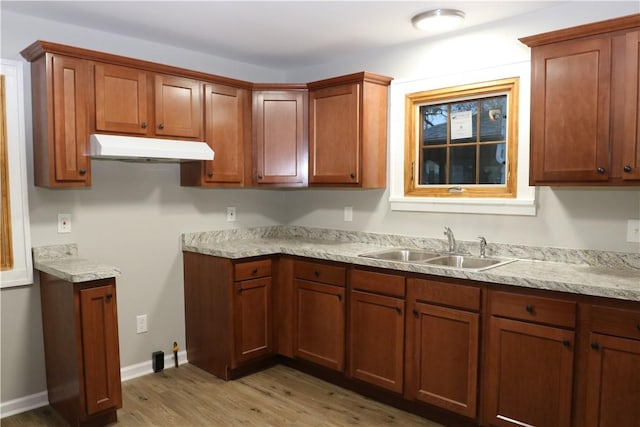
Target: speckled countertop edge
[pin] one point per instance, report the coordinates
(63, 262)
(587, 272)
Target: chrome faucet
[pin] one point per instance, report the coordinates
(452, 240)
(483, 246)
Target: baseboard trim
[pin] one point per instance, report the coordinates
(37, 400)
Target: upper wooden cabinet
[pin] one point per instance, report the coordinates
(133, 101)
(348, 131)
(227, 130)
(584, 104)
(280, 135)
(60, 121)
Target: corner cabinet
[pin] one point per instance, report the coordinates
(280, 135)
(228, 313)
(585, 104)
(348, 131)
(60, 97)
(80, 327)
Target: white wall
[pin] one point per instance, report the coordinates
(133, 215)
(570, 218)
(131, 218)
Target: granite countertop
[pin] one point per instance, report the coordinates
(587, 272)
(63, 262)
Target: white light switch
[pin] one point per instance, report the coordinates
(633, 230)
(348, 213)
(64, 223)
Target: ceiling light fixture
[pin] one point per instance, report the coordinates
(438, 20)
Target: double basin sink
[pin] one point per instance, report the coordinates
(434, 259)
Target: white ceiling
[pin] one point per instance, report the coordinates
(273, 34)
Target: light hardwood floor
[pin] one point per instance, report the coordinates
(278, 396)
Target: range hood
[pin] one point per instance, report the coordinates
(131, 148)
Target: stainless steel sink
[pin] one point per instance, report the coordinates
(402, 255)
(465, 262)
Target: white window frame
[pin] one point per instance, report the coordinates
(523, 204)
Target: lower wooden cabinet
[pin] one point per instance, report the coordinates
(319, 329)
(228, 312)
(529, 361)
(376, 329)
(82, 358)
(443, 329)
(613, 368)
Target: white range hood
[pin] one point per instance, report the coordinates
(130, 148)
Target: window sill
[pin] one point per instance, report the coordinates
(524, 207)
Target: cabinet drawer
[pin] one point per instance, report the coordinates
(252, 269)
(533, 309)
(615, 321)
(317, 272)
(381, 283)
(443, 293)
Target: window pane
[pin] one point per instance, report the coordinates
(492, 163)
(464, 121)
(463, 165)
(434, 166)
(434, 124)
(493, 123)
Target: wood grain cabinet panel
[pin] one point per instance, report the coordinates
(280, 137)
(528, 371)
(252, 311)
(178, 107)
(60, 121)
(584, 104)
(376, 337)
(319, 331)
(348, 131)
(443, 345)
(82, 359)
(121, 100)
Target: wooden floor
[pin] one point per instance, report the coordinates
(279, 396)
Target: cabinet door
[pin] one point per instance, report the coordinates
(101, 360)
(334, 135)
(224, 132)
(570, 111)
(178, 103)
(442, 359)
(376, 339)
(613, 382)
(121, 99)
(252, 320)
(631, 142)
(319, 324)
(70, 78)
(280, 137)
(529, 374)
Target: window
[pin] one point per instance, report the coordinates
(462, 141)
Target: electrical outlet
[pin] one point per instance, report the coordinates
(633, 230)
(141, 324)
(231, 214)
(64, 223)
(348, 213)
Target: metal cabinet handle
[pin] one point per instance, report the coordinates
(161, 126)
(143, 125)
(530, 308)
(339, 297)
(240, 290)
(353, 175)
(82, 171)
(398, 310)
(316, 273)
(600, 170)
(259, 176)
(415, 313)
(209, 174)
(254, 271)
(566, 343)
(627, 168)
(109, 296)
(595, 346)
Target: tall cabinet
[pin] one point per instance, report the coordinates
(80, 328)
(585, 104)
